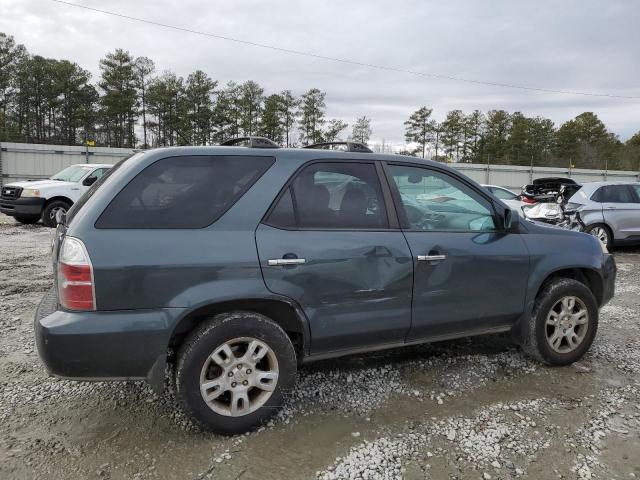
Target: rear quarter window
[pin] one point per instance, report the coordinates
(183, 192)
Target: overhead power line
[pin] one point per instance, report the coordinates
(345, 60)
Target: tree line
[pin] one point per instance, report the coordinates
(500, 137)
(132, 105)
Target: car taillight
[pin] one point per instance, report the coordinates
(75, 276)
(527, 200)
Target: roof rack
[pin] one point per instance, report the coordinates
(351, 146)
(251, 142)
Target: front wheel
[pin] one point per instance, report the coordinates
(563, 323)
(51, 210)
(233, 372)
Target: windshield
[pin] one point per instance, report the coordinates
(74, 173)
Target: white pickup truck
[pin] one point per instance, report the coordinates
(29, 201)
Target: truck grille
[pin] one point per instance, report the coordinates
(11, 193)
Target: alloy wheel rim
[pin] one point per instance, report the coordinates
(567, 324)
(601, 234)
(239, 377)
(54, 211)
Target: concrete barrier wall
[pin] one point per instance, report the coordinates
(22, 161)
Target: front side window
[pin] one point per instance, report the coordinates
(332, 196)
(615, 194)
(636, 189)
(435, 201)
(97, 173)
(183, 192)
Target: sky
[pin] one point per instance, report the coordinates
(575, 45)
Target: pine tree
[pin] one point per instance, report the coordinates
(420, 129)
(312, 111)
(289, 107)
(334, 128)
(272, 121)
(362, 130)
(144, 68)
(119, 101)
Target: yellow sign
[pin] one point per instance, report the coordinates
(91, 143)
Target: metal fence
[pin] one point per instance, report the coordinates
(22, 161)
(31, 161)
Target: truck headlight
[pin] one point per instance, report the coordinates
(30, 192)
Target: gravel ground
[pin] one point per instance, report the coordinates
(468, 409)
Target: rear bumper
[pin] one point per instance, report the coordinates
(111, 345)
(21, 206)
(609, 271)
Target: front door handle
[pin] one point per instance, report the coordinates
(278, 262)
(431, 258)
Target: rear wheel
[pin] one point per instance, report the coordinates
(51, 210)
(27, 219)
(602, 233)
(563, 323)
(233, 372)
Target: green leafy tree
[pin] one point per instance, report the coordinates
(119, 100)
(498, 127)
(362, 130)
(198, 99)
(453, 134)
(311, 113)
(289, 108)
(250, 106)
(420, 129)
(272, 121)
(144, 68)
(334, 128)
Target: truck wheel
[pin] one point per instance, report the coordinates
(27, 219)
(50, 211)
(233, 372)
(563, 323)
(602, 233)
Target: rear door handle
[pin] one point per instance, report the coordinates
(431, 258)
(278, 262)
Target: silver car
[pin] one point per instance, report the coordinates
(610, 211)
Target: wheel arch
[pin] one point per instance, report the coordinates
(287, 314)
(586, 275)
(48, 201)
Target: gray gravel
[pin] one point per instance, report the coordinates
(473, 408)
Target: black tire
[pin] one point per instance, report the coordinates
(598, 229)
(27, 219)
(198, 348)
(48, 214)
(535, 343)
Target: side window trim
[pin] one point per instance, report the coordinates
(401, 212)
(387, 198)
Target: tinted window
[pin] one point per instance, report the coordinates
(503, 194)
(636, 188)
(283, 214)
(615, 194)
(435, 201)
(333, 195)
(183, 192)
(98, 183)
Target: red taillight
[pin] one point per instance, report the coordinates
(75, 276)
(527, 200)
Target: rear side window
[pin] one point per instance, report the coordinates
(614, 194)
(183, 192)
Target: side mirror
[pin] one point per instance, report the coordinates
(510, 219)
(87, 182)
